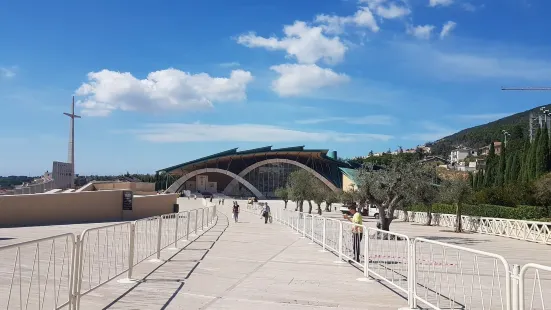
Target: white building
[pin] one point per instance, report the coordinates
(62, 175)
(460, 154)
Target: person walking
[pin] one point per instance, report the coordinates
(235, 211)
(357, 230)
(266, 213)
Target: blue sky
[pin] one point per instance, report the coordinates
(162, 82)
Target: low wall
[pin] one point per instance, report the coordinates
(81, 207)
(147, 206)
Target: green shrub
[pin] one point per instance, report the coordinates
(484, 210)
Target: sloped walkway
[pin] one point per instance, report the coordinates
(245, 265)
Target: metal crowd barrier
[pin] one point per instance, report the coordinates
(435, 274)
(56, 272)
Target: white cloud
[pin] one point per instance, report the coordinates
(296, 79)
(334, 24)
(391, 11)
(230, 64)
(469, 7)
(305, 43)
(434, 3)
(7, 72)
(180, 132)
(447, 28)
(364, 120)
(387, 9)
(107, 91)
(421, 32)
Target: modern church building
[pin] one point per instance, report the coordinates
(257, 172)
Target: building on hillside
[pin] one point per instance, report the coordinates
(461, 153)
(257, 172)
(435, 161)
(486, 150)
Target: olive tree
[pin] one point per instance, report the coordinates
(330, 198)
(387, 187)
(424, 191)
(458, 191)
(283, 194)
(299, 186)
(320, 194)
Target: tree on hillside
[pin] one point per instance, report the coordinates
(491, 165)
(542, 192)
(457, 191)
(542, 154)
(387, 187)
(502, 165)
(283, 194)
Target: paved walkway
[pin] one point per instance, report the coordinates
(245, 265)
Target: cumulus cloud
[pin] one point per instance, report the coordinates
(107, 91)
(447, 29)
(182, 132)
(334, 24)
(308, 44)
(297, 79)
(421, 32)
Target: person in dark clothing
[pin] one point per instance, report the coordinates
(266, 213)
(235, 211)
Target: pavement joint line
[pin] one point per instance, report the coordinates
(144, 279)
(246, 276)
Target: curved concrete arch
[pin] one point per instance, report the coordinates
(176, 185)
(250, 168)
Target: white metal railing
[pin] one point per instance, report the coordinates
(56, 272)
(517, 229)
(447, 276)
(436, 274)
(533, 290)
(102, 256)
(38, 273)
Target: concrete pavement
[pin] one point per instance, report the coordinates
(245, 265)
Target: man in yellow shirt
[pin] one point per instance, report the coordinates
(357, 230)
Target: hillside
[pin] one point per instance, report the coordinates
(479, 136)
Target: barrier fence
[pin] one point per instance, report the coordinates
(56, 272)
(533, 231)
(433, 274)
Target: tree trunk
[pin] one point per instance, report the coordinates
(429, 215)
(385, 223)
(327, 207)
(301, 204)
(309, 206)
(285, 208)
(458, 222)
(319, 208)
(296, 205)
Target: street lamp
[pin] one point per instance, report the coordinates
(505, 134)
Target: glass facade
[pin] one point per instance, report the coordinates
(270, 177)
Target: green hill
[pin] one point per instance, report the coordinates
(517, 125)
